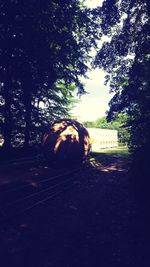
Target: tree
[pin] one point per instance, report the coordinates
(89, 124)
(118, 123)
(126, 58)
(42, 44)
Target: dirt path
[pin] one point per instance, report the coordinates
(96, 223)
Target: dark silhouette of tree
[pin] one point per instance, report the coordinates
(126, 58)
(42, 45)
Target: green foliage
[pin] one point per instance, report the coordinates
(89, 124)
(44, 50)
(118, 123)
(126, 59)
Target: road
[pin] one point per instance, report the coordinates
(97, 222)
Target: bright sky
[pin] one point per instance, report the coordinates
(94, 104)
(93, 3)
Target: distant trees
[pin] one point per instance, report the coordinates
(118, 123)
(44, 49)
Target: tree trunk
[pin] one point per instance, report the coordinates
(7, 114)
(27, 88)
(27, 103)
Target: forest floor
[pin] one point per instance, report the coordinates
(89, 217)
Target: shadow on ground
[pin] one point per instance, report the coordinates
(96, 222)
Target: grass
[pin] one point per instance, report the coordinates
(106, 154)
(116, 150)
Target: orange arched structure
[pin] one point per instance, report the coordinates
(66, 140)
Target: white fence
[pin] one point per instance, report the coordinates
(103, 138)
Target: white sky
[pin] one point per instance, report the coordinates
(94, 104)
(93, 3)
